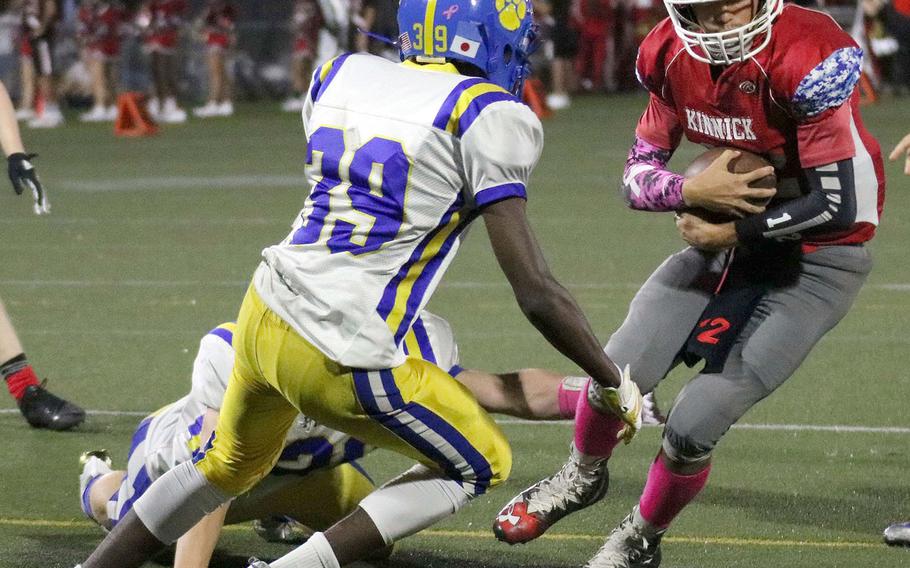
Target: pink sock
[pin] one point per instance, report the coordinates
(568, 394)
(595, 433)
(667, 493)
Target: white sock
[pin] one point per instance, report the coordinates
(316, 553)
(176, 501)
(413, 501)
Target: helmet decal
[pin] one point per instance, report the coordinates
(511, 13)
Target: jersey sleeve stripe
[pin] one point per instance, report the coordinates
(472, 109)
(325, 74)
(445, 112)
(491, 195)
(225, 331)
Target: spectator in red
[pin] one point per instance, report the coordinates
(307, 21)
(39, 25)
(100, 27)
(160, 22)
(218, 22)
(595, 20)
(897, 20)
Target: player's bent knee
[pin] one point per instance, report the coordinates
(686, 447)
(235, 478)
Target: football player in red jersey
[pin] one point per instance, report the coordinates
(751, 297)
(218, 32)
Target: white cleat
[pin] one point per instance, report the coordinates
(581, 482)
(97, 114)
(558, 101)
(256, 563)
(50, 118)
(111, 113)
(95, 463)
(23, 114)
(630, 545)
(209, 110)
(898, 534)
(226, 109)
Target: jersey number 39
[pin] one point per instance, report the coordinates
(357, 203)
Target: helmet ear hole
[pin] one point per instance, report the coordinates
(507, 53)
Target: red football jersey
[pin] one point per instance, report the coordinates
(307, 21)
(784, 103)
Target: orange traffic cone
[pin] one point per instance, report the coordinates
(535, 95)
(132, 117)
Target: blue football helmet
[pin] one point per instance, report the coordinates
(496, 36)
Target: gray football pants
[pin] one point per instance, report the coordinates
(787, 323)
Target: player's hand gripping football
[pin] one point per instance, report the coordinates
(902, 148)
(717, 189)
(23, 175)
(625, 401)
(703, 235)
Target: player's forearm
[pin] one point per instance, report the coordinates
(195, 548)
(10, 140)
(556, 315)
(829, 207)
(647, 184)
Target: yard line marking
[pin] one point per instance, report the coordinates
(455, 284)
(182, 182)
(701, 540)
(835, 428)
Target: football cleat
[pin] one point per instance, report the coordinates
(256, 563)
(42, 409)
(628, 546)
(580, 483)
(898, 534)
(95, 463)
(284, 530)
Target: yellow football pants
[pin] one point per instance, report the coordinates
(416, 409)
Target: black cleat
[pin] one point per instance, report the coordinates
(42, 409)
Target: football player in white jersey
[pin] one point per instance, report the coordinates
(401, 158)
(316, 480)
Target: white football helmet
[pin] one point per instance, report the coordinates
(729, 46)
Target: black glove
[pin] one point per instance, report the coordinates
(23, 175)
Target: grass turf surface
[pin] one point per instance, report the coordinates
(151, 243)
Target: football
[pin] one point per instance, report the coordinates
(744, 163)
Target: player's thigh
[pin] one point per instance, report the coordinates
(136, 480)
(416, 409)
(663, 313)
(786, 325)
(254, 416)
(789, 322)
(317, 499)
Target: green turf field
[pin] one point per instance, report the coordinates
(151, 243)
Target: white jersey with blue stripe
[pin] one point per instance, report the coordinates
(171, 436)
(400, 157)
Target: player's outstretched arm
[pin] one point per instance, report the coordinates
(550, 307)
(532, 394)
(902, 149)
(19, 166)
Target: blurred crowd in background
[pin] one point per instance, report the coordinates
(208, 53)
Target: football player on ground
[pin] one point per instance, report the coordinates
(316, 481)
(39, 407)
(402, 156)
(898, 534)
(752, 296)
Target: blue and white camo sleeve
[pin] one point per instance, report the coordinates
(829, 84)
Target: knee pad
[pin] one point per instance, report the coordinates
(685, 448)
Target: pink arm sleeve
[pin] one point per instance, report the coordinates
(647, 184)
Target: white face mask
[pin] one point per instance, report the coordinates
(729, 46)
